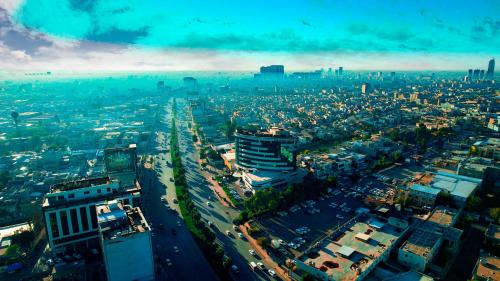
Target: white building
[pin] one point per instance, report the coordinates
(126, 242)
(69, 211)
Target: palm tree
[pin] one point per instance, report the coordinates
(15, 116)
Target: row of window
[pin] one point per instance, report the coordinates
(72, 219)
(72, 195)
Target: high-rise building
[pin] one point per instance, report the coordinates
(481, 74)
(271, 72)
(267, 158)
(475, 75)
(190, 83)
(341, 70)
(125, 238)
(272, 150)
(69, 211)
(69, 208)
(366, 88)
(490, 74)
(470, 73)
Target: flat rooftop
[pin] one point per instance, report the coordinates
(421, 242)
(80, 184)
(116, 220)
(443, 216)
(354, 250)
(488, 267)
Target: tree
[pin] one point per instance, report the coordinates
(263, 241)
(474, 202)
(15, 116)
(332, 180)
(306, 277)
(495, 214)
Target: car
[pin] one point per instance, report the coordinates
(209, 223)
(168, 262)
(235, 269)
(272, 272)
(50, 262)
(176, 249)
(240, 235)
(235, 228)
(260, 265)
(228, 233)
(253, 265)
(252, 252)
(175, 201)
(209, 204)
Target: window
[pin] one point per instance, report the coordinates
(64, 222)
(86, 192)
(60, 197)
(85, 220)
(74, 221)
(98, 191)
(72, 195)
(53, 225)
(108, 189)
(93, 216)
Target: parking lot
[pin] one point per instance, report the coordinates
(305, 223)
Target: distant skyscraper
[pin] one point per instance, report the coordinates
(476, 74)
(190, 83)
(481, 74)
(470, 73)
(393, 76)
(491, 69)
(271, 72)
(341, 70)
(366, 88)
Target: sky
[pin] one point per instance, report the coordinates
(162, 35)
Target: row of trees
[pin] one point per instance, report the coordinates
(203, 235)
(270, 200)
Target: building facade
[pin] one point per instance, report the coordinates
(125, 238)
(69, 211)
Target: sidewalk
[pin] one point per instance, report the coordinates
(266, 259)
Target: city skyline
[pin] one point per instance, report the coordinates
(154, 36)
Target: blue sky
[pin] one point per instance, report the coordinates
(240, 35)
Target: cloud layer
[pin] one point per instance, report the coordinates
(237, 35)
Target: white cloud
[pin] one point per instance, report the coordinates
(10, 5)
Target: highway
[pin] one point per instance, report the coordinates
(189, 263)
(219, 215)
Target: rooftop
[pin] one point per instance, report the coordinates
(354, 251)
(80, 184)
(421, 242)
(116, 220)
(488, 267)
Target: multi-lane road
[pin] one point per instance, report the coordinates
(189, 263)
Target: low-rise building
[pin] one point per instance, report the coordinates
(487, 268)
(427, 237)
(353, 253)
(421, 196)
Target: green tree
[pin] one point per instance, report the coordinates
(474, 203)
(495, 214)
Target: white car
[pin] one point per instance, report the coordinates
(260, 265)
(271, 272)
(252, 252)
(240, 235)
